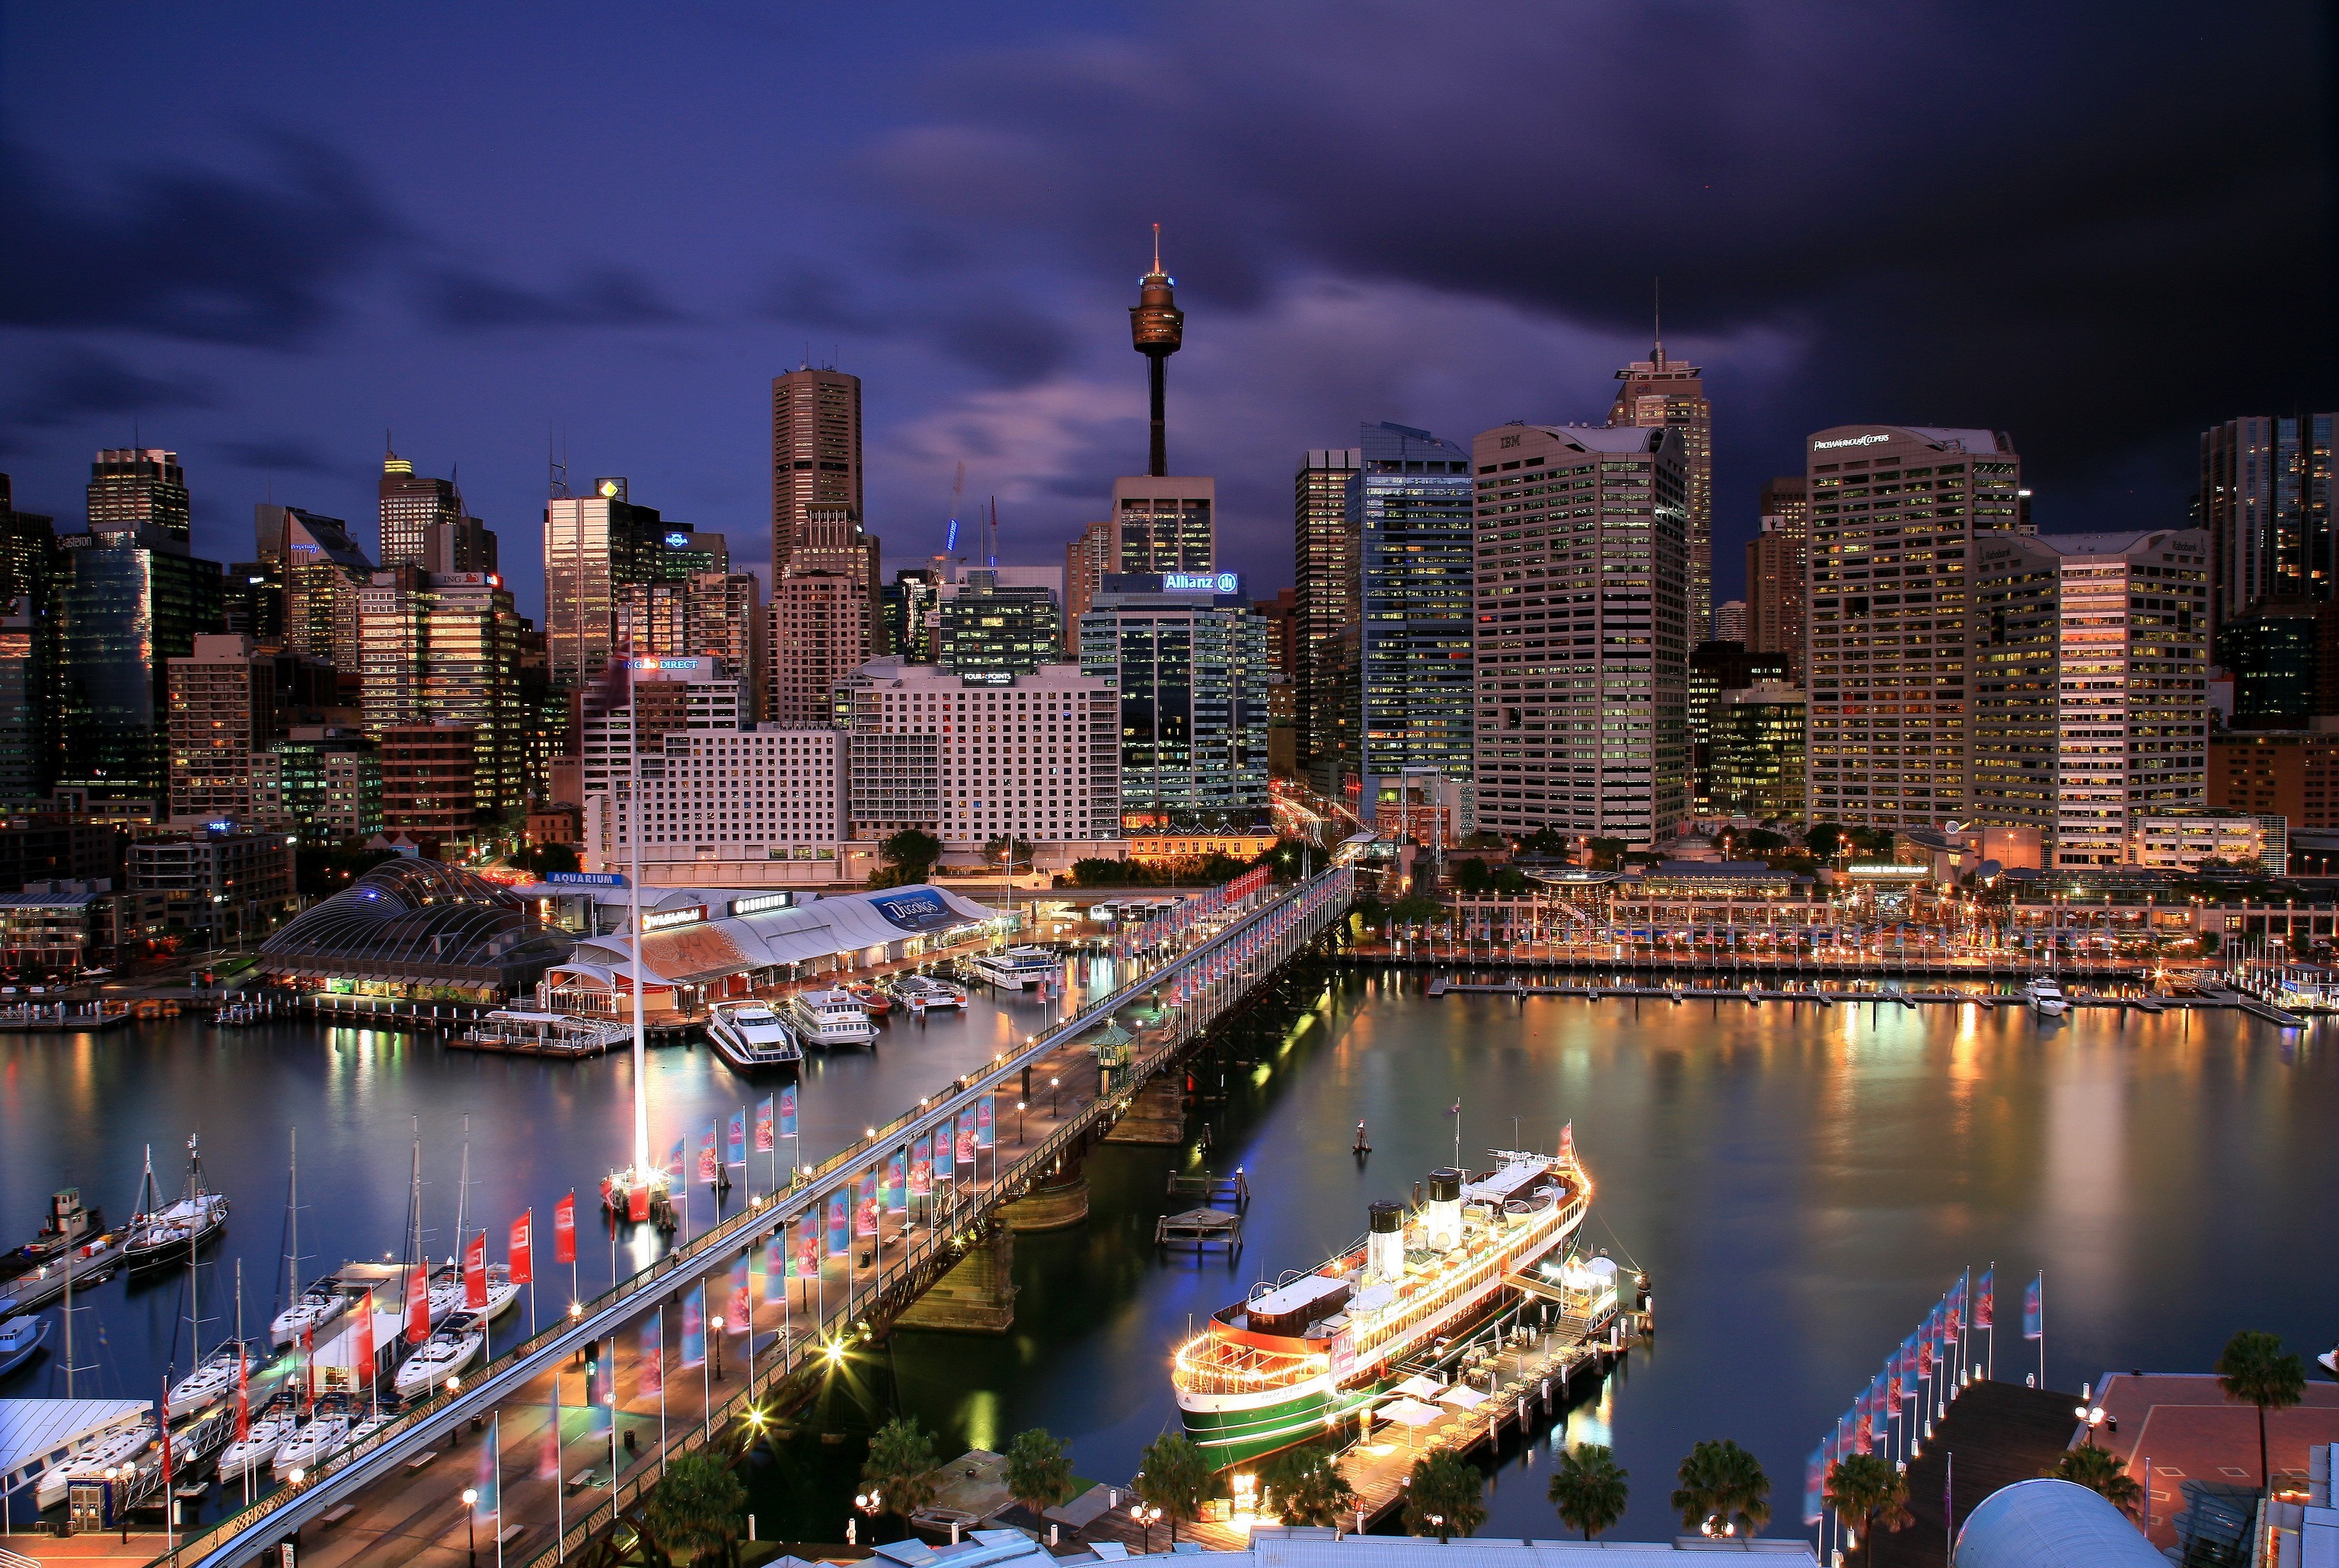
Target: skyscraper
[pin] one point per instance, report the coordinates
(139, 488)
(1778, 573)
(320, 572)
(33, 575)
(223, 709)
(594, 544)
(1165, 524)
(1661, 391)
(989, 632)
(441, 648)
(815, 461)
(1413, 499)
(1190, 668)
(821, 630)
(2266, 499)
(411, 506)
(708, 615)
(1327, 582)
(1730, 621)
(2090, 710)
(1086, 561)
(1896, 513)
(1583, 645)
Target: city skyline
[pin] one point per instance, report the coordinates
(481, 352)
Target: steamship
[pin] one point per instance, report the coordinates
(1291, 1359)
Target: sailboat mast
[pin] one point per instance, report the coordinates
(293, 1250)
(463, 1196)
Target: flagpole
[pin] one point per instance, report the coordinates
(661, 1320)
(496, 1447)
(2042, 1328)
(559, 1482)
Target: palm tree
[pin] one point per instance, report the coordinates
(1588, 1489)
(901, 1466)
(1308, 1488)
(1872, 1490)
(1722, 1482)
(2255, 1366)
(1445, 1497)
(1039, 1471)
(2100, 1471)
(1175, 1478)
(693, 1513)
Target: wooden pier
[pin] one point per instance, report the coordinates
(1199, 1228)
(1232, 1190)
(1757, 996)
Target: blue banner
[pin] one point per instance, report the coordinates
(738, 1138)
(788, 1111)
(897, 1184)
(984, 1134)
(840, 1221)
(694, 1326)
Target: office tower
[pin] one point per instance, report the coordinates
(464, 544)
(1164, 525)
(431, 784)
(131, 488)
(594, 544)
(1157, 330)
(2089, 665)
(1037, 759)
(1190, 668)
(442, 648)
(26, 762)
(320, 572)
(714, 615)
(1658, 392)
(411, 506)
(907, 609)
(222, 708)
(2270, 652)
(133, 600)
(1327, 581)
(1715, 668)
(815, 456)
(989, 632)
(1730, 621)
(674, 697)
(1582, 646)
(738, 799)
(2291, 776)
(1896, 513)
(252, 602)
(32, 587)
(1281, 613)
(2266, 499)
(1757, 744)
(1413, 499)
(319, 782)
(1778, 572)
(821, 631)
(1087, 560)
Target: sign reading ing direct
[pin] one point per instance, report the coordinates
(1200, 583)
(1849, 441)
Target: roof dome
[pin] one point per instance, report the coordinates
(419, 922)
(2051, 1523)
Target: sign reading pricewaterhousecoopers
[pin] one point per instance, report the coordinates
(584, 878)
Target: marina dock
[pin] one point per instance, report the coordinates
(1199, 1228)
(2208, 997)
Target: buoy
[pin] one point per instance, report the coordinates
(1364, 1145)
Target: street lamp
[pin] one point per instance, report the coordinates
(1147, 1518)
(471, 1522)
(1051, 1096)
(869, 1503)
(1019, 1123)
(717, 1322)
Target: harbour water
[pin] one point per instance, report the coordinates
(1799, 1183)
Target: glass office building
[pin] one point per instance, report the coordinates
(1189, 659)
(1412, 500)
(134, 599)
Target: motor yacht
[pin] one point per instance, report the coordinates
(829, 1019)
(750, 1034)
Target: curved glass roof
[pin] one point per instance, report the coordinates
(417, 921)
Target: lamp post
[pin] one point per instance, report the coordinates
(715, 1348)
(868, 1503)
(1147, 1518)
(471, 1523)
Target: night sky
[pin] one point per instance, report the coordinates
(261, 234)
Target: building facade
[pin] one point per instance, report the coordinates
(715, 795)
(1087, 560)
(1583, 639)
(2290, 773)
(1165, 523)
(594, 544)
(2266, 501)
(223, 709)
(214, 888)
(140, 487)
(320, 782)
(2276, 651)
(1778, 572)
(710, 615)
(411, 505)
(1415, 509)
(815, 456)
(1187, 659)
(443, 647)
(2090, 688)
(1327, 584)
(1896, 513)
(821, 630)
(991, 631)
(1756, 746)
(1658, 393)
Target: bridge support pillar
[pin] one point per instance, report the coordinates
(1158, 1115)
(978, 1294)
(1056, 1203)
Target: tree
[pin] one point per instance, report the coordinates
(1722, 1482)
(1588, 1489)
(1307, 1488)
(2100, 1471)
(1007, 852)
(1471, 876)
(1175, 1478)
(901, 1466)
(693, 1513)
(1415, 910)
(1039, 1471)
(1445, 1497)
(907, 857)
(2255, 1366)
(1871, 1489)
(1824, 840)
(1545, 840)
(1607, 854)
(1763, 841)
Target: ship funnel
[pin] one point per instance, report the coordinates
(1442, 1216)
(1385, 1244)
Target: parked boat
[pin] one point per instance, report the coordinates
(2047, 997)
(158, 1236)
(256, 1450)
(318, 1305)
(1289, 1360)
(873, 1002)
(213, 1381)
(444, 1355)
(92, 1263)
(92, 1461)
(21, 1339)
(325, 1431)
(1018, 968)
(69, 1224)
(749, 1035)
(926, 991)
(828, 1019)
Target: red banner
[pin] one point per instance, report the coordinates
(242, 1398)
(475, 1272)
(638, 1203)
(361, 1342)
(1249, 882)
(417, 1304)
(523, 1249)
(564, 1229)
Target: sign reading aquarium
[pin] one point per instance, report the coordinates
(915, 909)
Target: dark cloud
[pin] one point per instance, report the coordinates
(284, 455)
(809, 294)
(603, 297)
(79, 383)
(185, 252)
(1011, 345)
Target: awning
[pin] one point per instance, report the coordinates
(1418, 1388)
(1461, 1397)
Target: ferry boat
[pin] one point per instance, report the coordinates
(830, 1017)
(749, 1035)
(924, 990)
(166, 1236)
(873, 1002)
(446, 1353)
(69, 1223)
(1017, 969)
(21, 1339)
(320, 1304)
(2047, 997)
(213, 1381)
(1279, 1367)
(261, 1439)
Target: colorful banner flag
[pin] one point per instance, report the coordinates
(897, 1183)
(694, 1326)
(764, 1144)
(738, 1312)
(775, 1262)
(985, 1134)
(808, 1247)
(242, 1398)
(601, 1382)
(2033, 1316)
(1879, 1421)
(788, 1111)
(362, 1350)
(475, 1272)
(1983, 1304)
(963, 1142)
(1953, 1313)
(921, 1166)
(564, 1228)
(1814, 1485)
(675, 1155)
(1860, 1439)
(1892, 1384)
(488, 1475)
(1925, 1348)
(521, 1247)
(839, 1223)
(706, 1166)
(737, 1142)
(548, 1452)
(417, 1304)
(864, 1206)
(650, 1381)
(1567, 1141)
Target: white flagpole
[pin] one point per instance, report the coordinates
(496, 1443)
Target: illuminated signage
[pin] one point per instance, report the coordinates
(918, 909)
(666, 919)
(676, 541)
(666, 664)
(763, 901)
(1849, 441)
(1200, 583)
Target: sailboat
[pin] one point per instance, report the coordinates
(256, 1450)
(158, 1233)
(214, 1379)
(322, 1301)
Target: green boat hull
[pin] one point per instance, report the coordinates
(1228, 1438)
